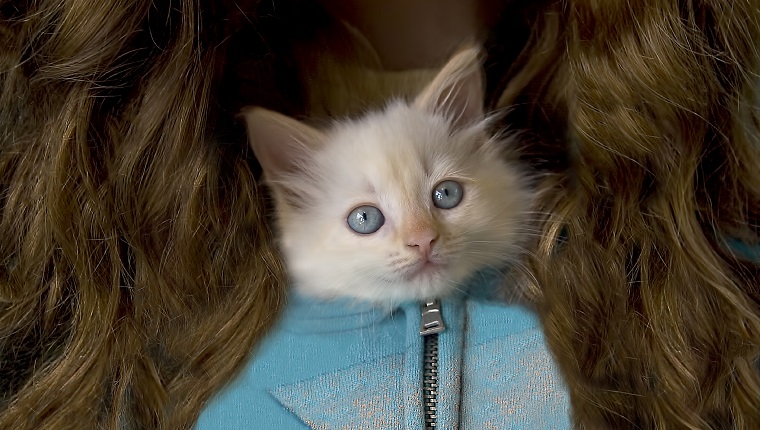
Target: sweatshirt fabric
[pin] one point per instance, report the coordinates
(346, 365)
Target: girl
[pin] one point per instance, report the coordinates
(137, 271)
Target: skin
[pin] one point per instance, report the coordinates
(411, 34)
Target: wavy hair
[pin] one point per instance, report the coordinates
(649, 306)
(137, 269)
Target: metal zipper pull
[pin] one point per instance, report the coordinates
(432, 320)
(431, 324)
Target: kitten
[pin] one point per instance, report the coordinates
(402, 204)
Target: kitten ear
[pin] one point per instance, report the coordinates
(457, 90)
(280, 142)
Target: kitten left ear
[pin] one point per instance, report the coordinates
(457, 90)
(280, 143)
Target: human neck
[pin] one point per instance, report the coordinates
(415, 34)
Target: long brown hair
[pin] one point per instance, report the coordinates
(652, 312)
(137, 270)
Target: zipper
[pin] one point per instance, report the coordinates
(430, 325)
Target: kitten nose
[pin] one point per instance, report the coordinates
(423, 241)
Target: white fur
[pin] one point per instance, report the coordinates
(393, 160)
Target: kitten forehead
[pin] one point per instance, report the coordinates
(379, 158)
(402, 145)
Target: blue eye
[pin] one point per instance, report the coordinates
(365, 219)
(447, 194)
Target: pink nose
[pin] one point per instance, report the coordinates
(423, 241)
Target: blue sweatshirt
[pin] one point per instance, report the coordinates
(347, 365)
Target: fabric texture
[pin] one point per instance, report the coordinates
(346, 365)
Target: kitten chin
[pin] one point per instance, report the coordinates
(385, 293)
(403, 204)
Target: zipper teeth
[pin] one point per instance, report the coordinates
(430, 381)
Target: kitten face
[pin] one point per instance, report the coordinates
(394, 162)
(404, 204)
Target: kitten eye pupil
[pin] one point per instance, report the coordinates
(447, 194)
(365, 219)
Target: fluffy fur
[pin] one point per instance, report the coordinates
(393, 159)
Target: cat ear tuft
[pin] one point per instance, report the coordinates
(280, 143)
(457, 90)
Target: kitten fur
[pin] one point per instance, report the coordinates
(393, 159)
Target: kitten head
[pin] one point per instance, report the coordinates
(403, 204)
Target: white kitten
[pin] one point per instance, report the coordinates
(403, 204)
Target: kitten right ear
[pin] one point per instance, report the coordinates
(457, 90)
(279, 142)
